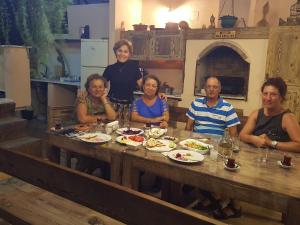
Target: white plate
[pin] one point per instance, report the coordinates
(125, 140)
(237, 166)
(96, 137)
(156, 132)
(188, 156)
(185, 142)
(121, 131)
(165, 148)
(284, 166)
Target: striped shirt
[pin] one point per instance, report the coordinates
(212, 120)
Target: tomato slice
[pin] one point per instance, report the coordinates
(136, 138)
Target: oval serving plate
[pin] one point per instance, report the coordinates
(96, 137)
(159, 145)
(185, 156)
(195, 145)
(127, 141)
(129, 132)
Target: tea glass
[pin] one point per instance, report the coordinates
(263, 155)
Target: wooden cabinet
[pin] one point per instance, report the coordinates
(140, 41)
(156, 45)
(167, 46)
(283, 60)
(15, 74)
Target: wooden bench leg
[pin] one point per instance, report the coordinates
(293, 215)
(171, 191)
(53, 153)
(131, 175)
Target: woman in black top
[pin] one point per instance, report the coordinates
(273, 126)
(123, 76)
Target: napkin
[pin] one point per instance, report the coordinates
(114, 125)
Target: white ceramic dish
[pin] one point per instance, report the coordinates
(284, 166)
(185, 156)
(126, 141)
(121, 131)
(165, 146)
(186, 144)
(156, 132)
(96, 137)
(236, 167)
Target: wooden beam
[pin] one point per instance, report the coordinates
(121, 203)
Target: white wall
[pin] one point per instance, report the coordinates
(241, 10)
(71, 51)
(195, 12)
(278, 9)
(130, 12)
(257, 60)
(94, 15)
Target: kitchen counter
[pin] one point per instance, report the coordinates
(72, 83)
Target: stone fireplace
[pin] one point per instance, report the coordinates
(239, 62)
(229, 64)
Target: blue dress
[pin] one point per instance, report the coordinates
(156, 110)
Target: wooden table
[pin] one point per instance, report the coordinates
(109, 152)
(267, 185)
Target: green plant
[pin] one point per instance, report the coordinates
(31, 23)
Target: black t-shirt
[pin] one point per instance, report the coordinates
(122, 78)
(271, 126)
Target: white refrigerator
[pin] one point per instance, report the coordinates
(94, 58)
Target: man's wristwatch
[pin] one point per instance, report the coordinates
(274, 144)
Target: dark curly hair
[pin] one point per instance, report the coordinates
(92, 77)
(153, 77)
(278, 83)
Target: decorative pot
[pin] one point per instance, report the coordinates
(228, 21)
(140, 27)
(171, 26)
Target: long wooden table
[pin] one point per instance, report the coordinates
(267, 185)
(108, 152)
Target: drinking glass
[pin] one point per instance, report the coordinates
(120, 115)
(126, 116)
(213, 153)
(262, 155)
(236, 144)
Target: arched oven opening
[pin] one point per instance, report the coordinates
(229, 65)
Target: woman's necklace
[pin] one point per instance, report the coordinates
(122, 66)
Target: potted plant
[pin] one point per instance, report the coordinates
(228, 21)
(31, 23)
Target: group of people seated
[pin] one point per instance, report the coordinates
(271, 126)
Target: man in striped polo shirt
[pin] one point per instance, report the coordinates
(212, 114)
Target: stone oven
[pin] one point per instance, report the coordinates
(227, 62)
(238, 59)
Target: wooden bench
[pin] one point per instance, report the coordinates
(23, 203)
(118, 202)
